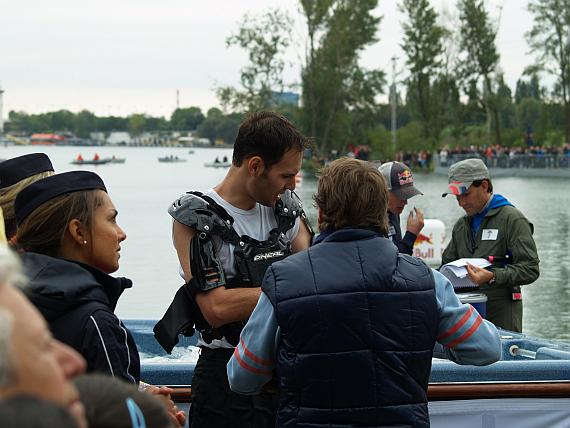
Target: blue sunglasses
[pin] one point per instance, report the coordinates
(137, 417)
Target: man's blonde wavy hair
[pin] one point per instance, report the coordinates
(351, 192)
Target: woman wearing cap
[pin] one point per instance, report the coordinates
(69, 242)
(15, 174)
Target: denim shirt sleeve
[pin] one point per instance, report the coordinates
(250, 368)
(463, 335)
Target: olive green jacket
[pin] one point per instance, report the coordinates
(502, 229)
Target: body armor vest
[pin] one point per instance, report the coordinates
(252, 257)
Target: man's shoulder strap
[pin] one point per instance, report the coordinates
(203, 213)
(287, 209)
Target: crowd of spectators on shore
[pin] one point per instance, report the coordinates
(495, 156)
(418, 159)
(352, 151)
(498, 156)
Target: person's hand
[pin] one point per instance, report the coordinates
(179, 420)
(162, 394)
(478, 275)
(415, 226)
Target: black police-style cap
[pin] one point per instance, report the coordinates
(16, 169)
(48, 188)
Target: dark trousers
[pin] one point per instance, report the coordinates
(502, 311)
(214, 405)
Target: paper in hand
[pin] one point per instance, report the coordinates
(456, 271)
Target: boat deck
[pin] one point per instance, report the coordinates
(526, 359)
(530, 386)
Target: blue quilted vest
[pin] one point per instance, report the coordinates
(359, 323)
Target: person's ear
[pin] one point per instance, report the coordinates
(76, 231)
(255, 166)
(319, 219)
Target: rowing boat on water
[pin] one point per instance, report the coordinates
(90, 161)
(218, 164)
(171, 159)
(116, 160)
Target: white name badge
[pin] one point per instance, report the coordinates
(392, 233)
(489, 234)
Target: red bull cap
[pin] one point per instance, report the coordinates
(400, 180)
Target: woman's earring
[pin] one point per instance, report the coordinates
(84, 242)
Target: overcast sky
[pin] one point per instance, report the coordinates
(119, 57)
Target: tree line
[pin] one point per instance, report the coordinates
(451, 93)
(453, 86)
(214, 125)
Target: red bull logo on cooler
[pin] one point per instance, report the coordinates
(422, 239)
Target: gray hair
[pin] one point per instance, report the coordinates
(11, 269)
(10, 274)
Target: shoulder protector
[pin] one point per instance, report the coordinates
(288, 208)
(202, 213)
(289, 205)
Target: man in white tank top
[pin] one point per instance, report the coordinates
(268, 153)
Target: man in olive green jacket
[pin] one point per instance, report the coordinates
(492, 227)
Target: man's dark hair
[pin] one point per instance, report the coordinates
(479, 182)
(268, 135)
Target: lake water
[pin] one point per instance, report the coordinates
(142, 189)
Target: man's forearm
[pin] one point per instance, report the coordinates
(222, 305)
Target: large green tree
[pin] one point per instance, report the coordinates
(84, 123)
(447, 85)
(333, 83)
(61, 120)
(137, 125)
(266, 38)
(550, 39)
(480, 56)
(219, 127)
(423, 47)
(528, 89)
(186, 118)
(112, 123)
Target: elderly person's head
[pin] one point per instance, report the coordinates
(32, 362)
(352, 193)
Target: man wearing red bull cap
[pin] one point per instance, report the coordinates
(492, 227)
(401, 186)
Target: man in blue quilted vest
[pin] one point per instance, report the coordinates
(350, 325)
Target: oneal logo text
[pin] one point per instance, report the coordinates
(266, 256)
